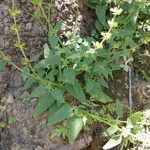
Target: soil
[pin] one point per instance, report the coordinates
(27, 133)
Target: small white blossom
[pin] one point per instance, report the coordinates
(112, 23)
(116, 10)
(91, 51)
(106, 35)
(98, 45)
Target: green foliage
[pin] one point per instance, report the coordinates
(2, 64)
(75, 126)
(114, 141)
(101, 14)
(36, 2)
(69, 75)
(82, 67)
(59, 113)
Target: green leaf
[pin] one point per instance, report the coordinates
(124, 32)
(53, 40)
(75, 126)
(69, 75)
(114, 141)
(2, 64)
(98, 93)
(104, 98)
(79, 91)
(101, 14)
(29, 82)
(58, 26)
(34, 58)
(110, 131)
(52, 60)
(57, 114)
(129, 42)
(47, 51)
(90, 85)
(50, 76)
(25, 72)
(58, 95)
(43, 104)
(104, 83)
(134, 118)
(119, 109)
(36, 2)
(98, 26)
(81, 97)
(40, 90)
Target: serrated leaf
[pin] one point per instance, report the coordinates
(52, 60)
(58, 95)
(69, 75)
(25, 72)
(53, 40)
(114, 141)
(79, 91)
(58, 114)
(47, 51)
(75, 126)
(79, 96)
(101, 14)
(98, 93)
(28, 83)
(2, 64)
(38, 91)
(119, 109)
(43, 104)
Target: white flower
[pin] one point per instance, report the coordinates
(98, 45)
(106, 35)
(116, 10)
(112, 23)
(90, 51)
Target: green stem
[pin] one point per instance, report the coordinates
(46, 18)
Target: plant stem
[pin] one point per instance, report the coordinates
(46, 18)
